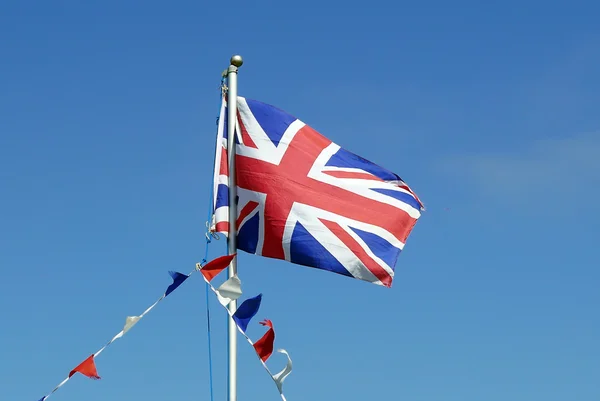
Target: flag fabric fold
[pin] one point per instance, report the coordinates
(280, 376)
(304, 199)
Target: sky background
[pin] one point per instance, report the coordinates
(489, 111)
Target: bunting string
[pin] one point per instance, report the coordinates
(88, 366)
(231, 290)
(228, 291)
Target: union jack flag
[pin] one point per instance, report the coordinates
(304, 199)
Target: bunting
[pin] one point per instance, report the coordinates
(230, 290)
(178, 279)
(88, 366)
(285, 372)
(264, 346)
(215, 266)
(246, 311)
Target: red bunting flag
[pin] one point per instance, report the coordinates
(264, 346)
(87, 368)
(216, 266)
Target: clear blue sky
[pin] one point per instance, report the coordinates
(490, 112)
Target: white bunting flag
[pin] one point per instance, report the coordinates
(280, 377)
(229, 291)
(130, 321)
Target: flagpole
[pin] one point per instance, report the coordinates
(236, 61)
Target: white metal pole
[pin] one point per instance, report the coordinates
(235, 62)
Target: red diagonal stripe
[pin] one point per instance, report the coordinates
(246, 210)
(351, 174)
(222, 227)
(360, 253)
(223, 167)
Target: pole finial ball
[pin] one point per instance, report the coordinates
(236, 60)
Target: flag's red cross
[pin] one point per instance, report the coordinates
(288, 182)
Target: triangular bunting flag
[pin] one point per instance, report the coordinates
(230, 290)
(264, 346)
(216, 266)
(247, 311)
(178, 278)
(280, 377)
(87, 368)
(130, 321)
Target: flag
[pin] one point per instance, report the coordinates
(285, 372)
(130, 321)
(86, 368)
(178, 279)
(229, 291)
(216, 266)
(264, 346)
(304, 199)
(246, 311)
